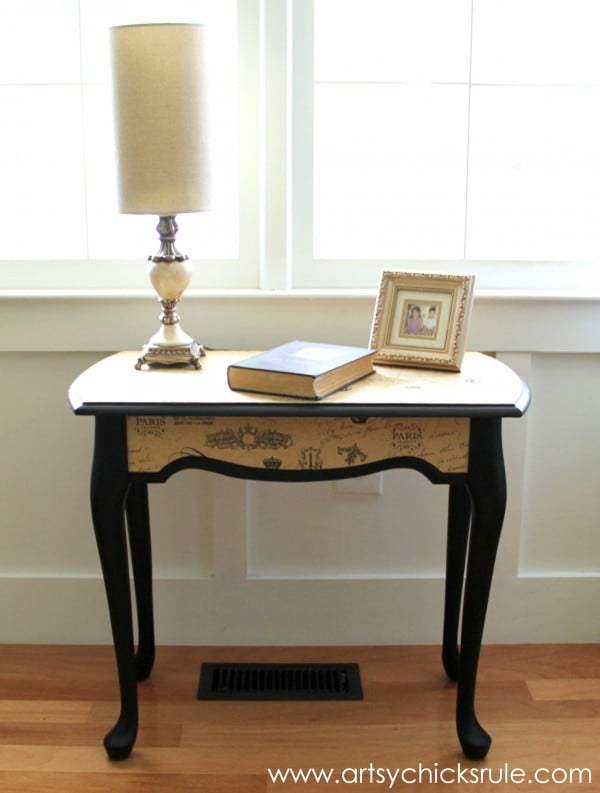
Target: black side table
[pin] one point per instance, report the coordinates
(150, 424)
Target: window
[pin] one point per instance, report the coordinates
(450, 131)
(349, 135)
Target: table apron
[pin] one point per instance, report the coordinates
(296, 444)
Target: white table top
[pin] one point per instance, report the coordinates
(484, 386)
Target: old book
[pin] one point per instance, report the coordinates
(304, 369)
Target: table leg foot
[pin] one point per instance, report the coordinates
(474, 740)
(451, 662)
(119, 741)
(144, 662)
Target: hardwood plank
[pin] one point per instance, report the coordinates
(539, 661)
(33, 711)
(57, 671)
(151, 733)
(578, 689)
(82, 782)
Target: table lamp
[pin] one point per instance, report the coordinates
(159, 86)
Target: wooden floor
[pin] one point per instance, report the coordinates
(540, 703)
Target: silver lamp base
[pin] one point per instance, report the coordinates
(166, 356)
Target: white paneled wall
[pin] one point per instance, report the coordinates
(330, 535)
(561, 526)
(255, 563)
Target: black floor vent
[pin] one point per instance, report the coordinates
(279, 681)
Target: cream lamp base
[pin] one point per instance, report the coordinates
(170, 273)
(170, 345)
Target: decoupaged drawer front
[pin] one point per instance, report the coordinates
(296, 443)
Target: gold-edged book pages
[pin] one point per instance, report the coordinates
(307, 370)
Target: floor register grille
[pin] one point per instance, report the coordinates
(254, 681)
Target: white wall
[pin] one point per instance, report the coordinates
(257, 563)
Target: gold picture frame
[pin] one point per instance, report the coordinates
(421, 319)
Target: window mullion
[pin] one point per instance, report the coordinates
(275, 148)
(249, 47)
(302, 137)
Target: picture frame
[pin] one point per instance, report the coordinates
(421, 319)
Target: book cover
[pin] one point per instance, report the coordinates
(309, 370)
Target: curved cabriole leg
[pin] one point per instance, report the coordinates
(459, 517)
(487, 487)
(138, 527)
(109, 486)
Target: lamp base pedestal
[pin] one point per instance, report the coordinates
(170, 273)
(169, 355)
(170, 344)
